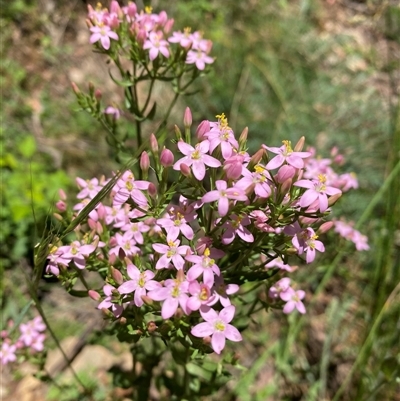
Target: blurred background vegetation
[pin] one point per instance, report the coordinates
(325, 69)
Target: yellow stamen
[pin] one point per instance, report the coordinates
(207, 252)
(288, 145)
(148, 9)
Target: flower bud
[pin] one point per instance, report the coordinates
(107, 313)
(97, 94)
(187, 118)
(62, 195)
(325, 227)
(166, 158)
(233, 166)
(117, 276)
(112, 258)
(285, 188)
(178, 133)
(255, 159)
(202, 129)
(94, 295)
(92, 224)
(243, 137)
(333, 199)
(58, 216)
(152, 190)
(168, 25)
(299, 145)
(147, 300)
(284, 173)
(91, 88)
(144, 162)
(75, 89)
(153, 144)
(61, 206)
(152, 327)
(185, 170)
(122, 320)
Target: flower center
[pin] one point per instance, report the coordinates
(219, 325)
(288, 148)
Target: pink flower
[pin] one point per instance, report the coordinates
(316, 190)
(203, 265)
(156, 45)
(222, 194)
(222, 134)
(278, 263)
(89, 188)
(306, 241)
(222, 290)
(217, 325)
(171, 253)
(233, 166)
(176, 223)
(135, 230)
(127, 187)
(7, 353)
(107, 301)
(173, 294)
(260, 180)
(123, 244)
(293, 300)
(199, 58)
(237, 226)
(183, 38)
(103, 34)
(140, 283)
(285, 153)
(201, 295)
(78, 253)
(279, 288)
(197, 158)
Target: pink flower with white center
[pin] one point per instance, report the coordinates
(7, 353)
(117, 216)
(156, 44)
(107, 301)
(135, 230)
(278, 263)
(127, 187)
(89, 188)
(203, 265)
(171, 253)
(306, 241)
(223, 194)
(279, 287)
(237, 226)
(176, 222)
(260, 179)
(222, 290)
(140, 283)
(222, 134)
(217, 325)
(28, 333)
(102, 33)
(124, 243)
(293, 300)
(316, 190)
(78, 252)
(346, 182)
(37, 343)
(183, 38)
(347, 231)
(174, 294)
(285, 154)
(197, 158)
(201, 295)
(199, 58)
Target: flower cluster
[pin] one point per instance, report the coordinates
(31, 339)
(148, 35)
(176, 250)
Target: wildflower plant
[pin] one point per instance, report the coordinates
(167, 246)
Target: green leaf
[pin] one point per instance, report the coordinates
(199, 371)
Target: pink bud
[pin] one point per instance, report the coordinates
(75, 88)
(61, 206)
(115, 8)
(300, 144)
(101, 212)
(131, 9)
(325, 227)
(62, 194)
(153, 143)
(233, 166)
(185, 170)
(92, 224)
(286, 185)
(97, 94)
(284, 173)
(144, 162)
(117, 276)
(162, 17)
(187, 118)
(333, 199)
(152, 190)
(94, 295)
(243, 136)
(112, 258)
(168, 25)
(141, 36)
(202, 129)
(3, 334)
(178, 133)
(99, 228)
(166, 158)
(58, 216)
